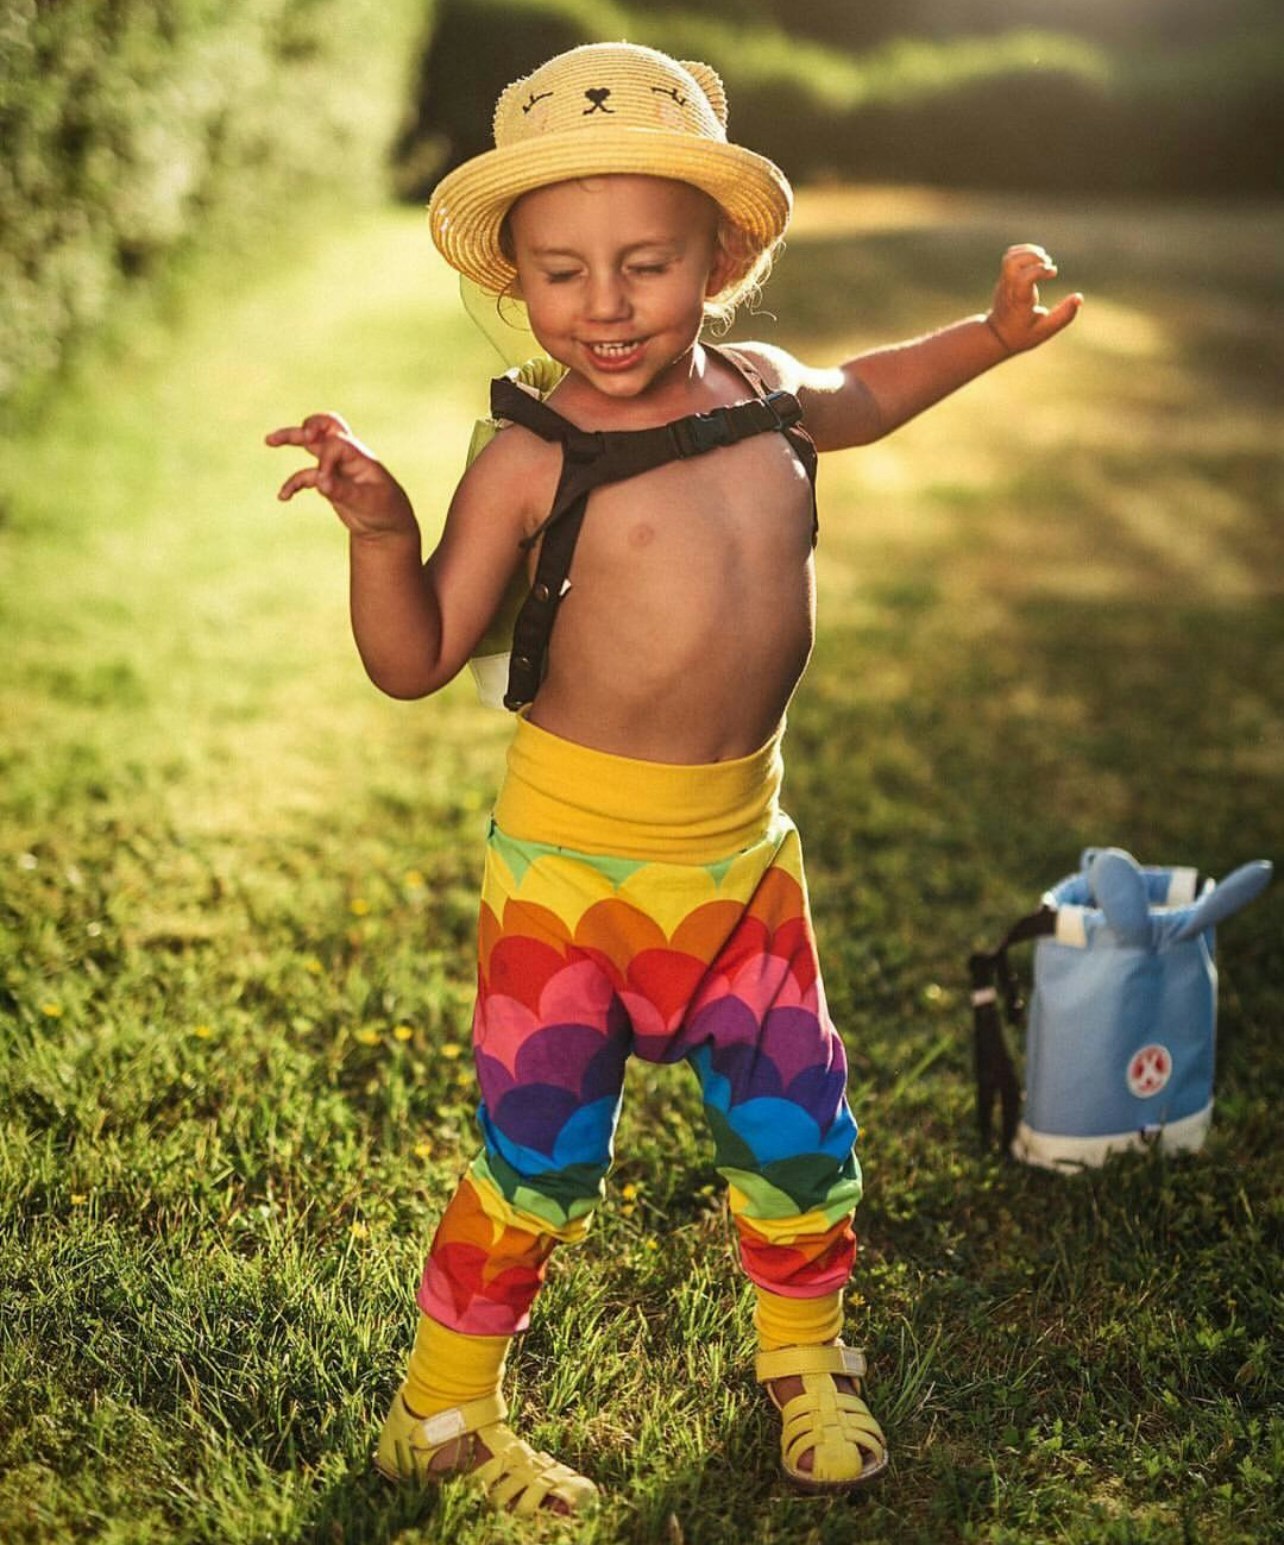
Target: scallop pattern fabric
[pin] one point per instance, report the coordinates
(585, 960)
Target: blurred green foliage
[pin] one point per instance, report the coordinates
(135, 128)
(1164, 96)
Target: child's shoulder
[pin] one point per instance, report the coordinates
(514, 451)
(514, 472)
(779, 370)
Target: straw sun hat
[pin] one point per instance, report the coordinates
(602, 108)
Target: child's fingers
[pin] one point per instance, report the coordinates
(1026, 252)
(331, 453)
(306, 477)
(326, 424)
(1024, 268)
(1061, 315)
(1023, 282)
(316, 427)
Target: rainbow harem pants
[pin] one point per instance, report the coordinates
(646, 909)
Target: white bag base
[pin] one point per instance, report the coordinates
(1051, 1150)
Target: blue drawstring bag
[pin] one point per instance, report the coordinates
(1123, 1015)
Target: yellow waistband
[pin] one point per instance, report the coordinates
(572, 796)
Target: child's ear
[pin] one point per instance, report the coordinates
(721, 269)
(733, 257)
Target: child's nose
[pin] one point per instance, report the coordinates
(607, 296)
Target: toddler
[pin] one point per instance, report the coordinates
(643, 891)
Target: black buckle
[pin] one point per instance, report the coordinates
(701, 432)
(785, 408)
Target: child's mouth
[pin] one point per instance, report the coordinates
(615, 355)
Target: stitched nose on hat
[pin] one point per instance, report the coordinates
(598, 95)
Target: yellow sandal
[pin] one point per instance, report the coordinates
(846, 1444)
(516, 1478)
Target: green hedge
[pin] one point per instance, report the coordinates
(1013, 108)
(133, 129)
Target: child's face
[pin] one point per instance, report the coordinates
(614, 272)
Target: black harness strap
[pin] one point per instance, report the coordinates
(995, 1075)
(592, 458)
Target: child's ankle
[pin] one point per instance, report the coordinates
(782, 1322)
(449, 1369)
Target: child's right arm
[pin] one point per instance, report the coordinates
(874, 393)
(416, 624)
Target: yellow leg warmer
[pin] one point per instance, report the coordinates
(804, 1322)
(449, 1369)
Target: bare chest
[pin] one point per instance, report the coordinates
(743, 505)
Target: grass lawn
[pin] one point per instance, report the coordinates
(237, 900)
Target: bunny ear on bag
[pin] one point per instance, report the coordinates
(1119, 887)
(1229, 896)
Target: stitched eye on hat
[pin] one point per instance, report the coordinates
(670, 91)
(536, 96)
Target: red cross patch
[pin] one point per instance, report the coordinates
(1149, 1071)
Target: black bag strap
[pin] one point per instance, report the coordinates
(995, 1075)
(592, 458)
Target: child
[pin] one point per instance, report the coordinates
(643, 890)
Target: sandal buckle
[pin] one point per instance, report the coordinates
(854, 1362)
(439, 1429)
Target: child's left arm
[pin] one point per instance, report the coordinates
(874, 393)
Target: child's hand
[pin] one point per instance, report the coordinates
(365, 495)
(1016, 318)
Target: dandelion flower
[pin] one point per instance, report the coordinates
(402, 1033)
(360, 1230)
(629, 1191)
(78, 1198)
(451, 1050)
(423, 1150)
(359, 906)
(414, 881)
(366, 1036)
(51, 1010)
(203, 1031)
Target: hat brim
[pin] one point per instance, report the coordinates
(468, 206)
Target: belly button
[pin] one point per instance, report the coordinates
(642, 535)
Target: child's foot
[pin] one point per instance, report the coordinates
(829, 1440)
(474, 1439)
